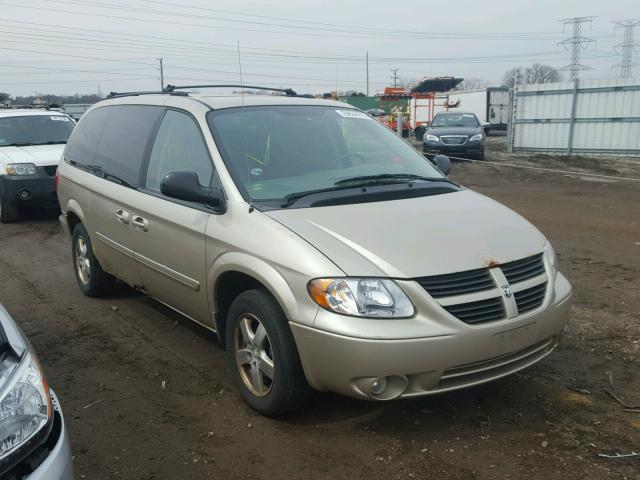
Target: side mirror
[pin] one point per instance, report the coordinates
(184, 185)
(442, 163)
(486, 126)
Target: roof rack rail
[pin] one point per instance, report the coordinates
(147, 92)
(287, 91)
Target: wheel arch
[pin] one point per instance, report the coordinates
(73, 214)
(235, 272)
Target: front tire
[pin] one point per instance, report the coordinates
(262, 355)
(92, 280)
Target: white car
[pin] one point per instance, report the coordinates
(31, 144)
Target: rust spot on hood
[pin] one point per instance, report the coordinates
(490, 262)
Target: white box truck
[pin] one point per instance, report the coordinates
(490, 104)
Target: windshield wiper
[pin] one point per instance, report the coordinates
(292, 198)
(387, 176)
(25, 144)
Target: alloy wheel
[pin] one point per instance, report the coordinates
(83, 265)
(254, 355)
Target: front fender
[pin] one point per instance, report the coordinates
(262, 272)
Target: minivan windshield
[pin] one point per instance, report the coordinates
(277, 151)
(35, 130)
(455, 120)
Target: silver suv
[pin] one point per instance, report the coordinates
(325, 251)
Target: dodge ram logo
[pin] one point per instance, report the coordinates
(506, 291)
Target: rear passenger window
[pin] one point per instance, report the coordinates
(178, 146)
(121, 150)
(81, 148)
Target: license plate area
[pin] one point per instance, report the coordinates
(514, 339)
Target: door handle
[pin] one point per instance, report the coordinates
(140, 223)
(123, 216)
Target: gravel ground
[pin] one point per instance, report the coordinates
(147, 394)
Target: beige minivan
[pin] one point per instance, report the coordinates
(324, 251)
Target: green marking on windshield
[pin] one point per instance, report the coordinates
(267, 153)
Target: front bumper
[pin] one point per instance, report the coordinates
(455, 357)
(465, 150)
(38, 189)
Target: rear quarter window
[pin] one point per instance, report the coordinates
(123, 143)
(81, 148)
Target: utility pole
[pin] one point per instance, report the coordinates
(367, 74)
(395, 76)
(161, 74)
(627, 47)
(575, 44)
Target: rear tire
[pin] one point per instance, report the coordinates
(8, 209)
(262, 355)
(92, 280)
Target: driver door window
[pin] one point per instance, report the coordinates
(178, 146)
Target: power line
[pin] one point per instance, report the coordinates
(576, 43)
(303, 30)
(627, 47)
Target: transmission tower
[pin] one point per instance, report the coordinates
(395, 76)
(575, 44)
(627, 47)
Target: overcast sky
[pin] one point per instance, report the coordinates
(86, 46)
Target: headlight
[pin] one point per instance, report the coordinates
(476, 138)
(361, 297)
(21, 169)
(25, 406)
(550, 254)
(432, 138)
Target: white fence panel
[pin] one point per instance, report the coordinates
(595, 116)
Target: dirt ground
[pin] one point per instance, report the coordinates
(108, 360)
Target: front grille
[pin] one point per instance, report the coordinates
(531, 298)
(474, 297)
(454, 140)
(457, 283)
(478, 312)
(51, 170)
(524, 269)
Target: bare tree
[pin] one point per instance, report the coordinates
(536, 73)
(472, 83)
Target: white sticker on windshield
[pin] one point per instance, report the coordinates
(352, 114)
(60, 118)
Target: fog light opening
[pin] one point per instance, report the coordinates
(25, 195)
(378, 386)
(387, 388)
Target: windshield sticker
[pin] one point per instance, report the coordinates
(59, 118)
(256, 172)
(352, 114)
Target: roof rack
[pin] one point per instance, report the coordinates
(147, 92)
(287, 91)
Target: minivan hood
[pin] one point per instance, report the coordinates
(415, 237)
(40, 155)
